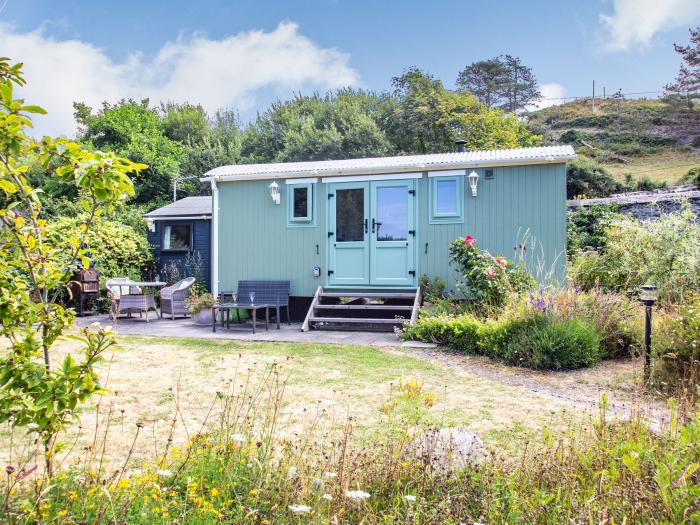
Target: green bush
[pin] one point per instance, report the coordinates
(662, 252)
(587, 178)
(550, 343)
(585, 227)
(693, 175)
(457, 333)
(117, 249)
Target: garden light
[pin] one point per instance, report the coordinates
(274, 192)
(150, 223)
(473, 181)
(648, 296)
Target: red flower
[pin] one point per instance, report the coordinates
(490, 274)
(501, 262)
(469, 240)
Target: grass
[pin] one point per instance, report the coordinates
(667, 166)
(149, 379)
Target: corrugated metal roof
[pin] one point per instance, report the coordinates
(190, 207)
(432, 162)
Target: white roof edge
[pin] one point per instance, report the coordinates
(424, 163)
(200, 216)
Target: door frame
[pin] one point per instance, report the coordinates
(332, 183)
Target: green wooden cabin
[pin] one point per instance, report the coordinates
(380, 223)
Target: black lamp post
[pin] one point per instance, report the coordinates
(648, 297)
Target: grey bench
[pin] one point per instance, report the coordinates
(268, 294)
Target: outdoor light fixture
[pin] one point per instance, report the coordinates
(151, 224)
(274, 192)
(473, 181)
(648, 296)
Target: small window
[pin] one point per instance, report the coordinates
(300, 204)
(177, 237)
(447, 199)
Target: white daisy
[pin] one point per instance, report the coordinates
(357, 494)
(300, 509)
(409, 497)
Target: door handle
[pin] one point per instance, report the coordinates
(365, 225)
(373, 224)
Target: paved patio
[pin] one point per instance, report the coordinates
(243, 332)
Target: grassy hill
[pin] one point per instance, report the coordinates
(643, 138)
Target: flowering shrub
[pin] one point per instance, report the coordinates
(197, 303)
(484, 279)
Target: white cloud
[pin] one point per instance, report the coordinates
(636, 22)
(552, 94)
(214, 73)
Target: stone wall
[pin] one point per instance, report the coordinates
(648, 204)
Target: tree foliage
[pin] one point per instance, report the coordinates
(503, 81)
(686, 85)
(34, 393)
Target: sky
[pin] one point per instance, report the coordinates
(245, 54)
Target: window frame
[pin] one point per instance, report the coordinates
(447, 218)
(310, 219)
(169, 225)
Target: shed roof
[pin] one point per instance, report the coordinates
(189, 207)
(406, 163)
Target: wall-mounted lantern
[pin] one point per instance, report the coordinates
(648, 296)
(274, 192)
(150, 223)
(473, 181)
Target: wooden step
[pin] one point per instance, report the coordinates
(371, 295)
(354, 320)
(363, 307)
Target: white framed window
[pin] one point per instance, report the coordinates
(300, 204)
(177, 237)
(447, 199)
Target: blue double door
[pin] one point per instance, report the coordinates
(372, 233)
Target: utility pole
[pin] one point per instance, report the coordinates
(604, 97)
(593, 99)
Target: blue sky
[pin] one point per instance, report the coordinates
(244, 54)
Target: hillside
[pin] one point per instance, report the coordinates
(643, 138)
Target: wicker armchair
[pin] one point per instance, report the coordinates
(116, 289)
(172, 298)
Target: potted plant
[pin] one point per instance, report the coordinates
(201, 306)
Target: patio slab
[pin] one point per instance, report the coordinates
(243, 332)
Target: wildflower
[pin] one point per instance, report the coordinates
(357, 494)
(240, 438)
(300, 509)
(469, 240)
(327, 497)
(490, 274)
(410, 497)
(164, 473)
(291, 472)
(330, 474)
(501, 262)
(32, 426)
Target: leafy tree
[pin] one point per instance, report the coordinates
(520, 89)
(686, 86)
(135, 131)
(485, 79)
(424, 117)
(184, 123)
(34, 393)
(344, 124)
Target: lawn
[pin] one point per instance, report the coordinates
(148, 378)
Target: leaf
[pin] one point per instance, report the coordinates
(34, 109)
(7, 186)
(86, 262)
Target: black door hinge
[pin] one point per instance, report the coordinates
(330, 234)
(331, 195)
(412, 272)
(330, 272)
(412, 232)
(412, 192)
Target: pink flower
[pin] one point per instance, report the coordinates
(490, 274)
(469, 240)
(501, 262)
